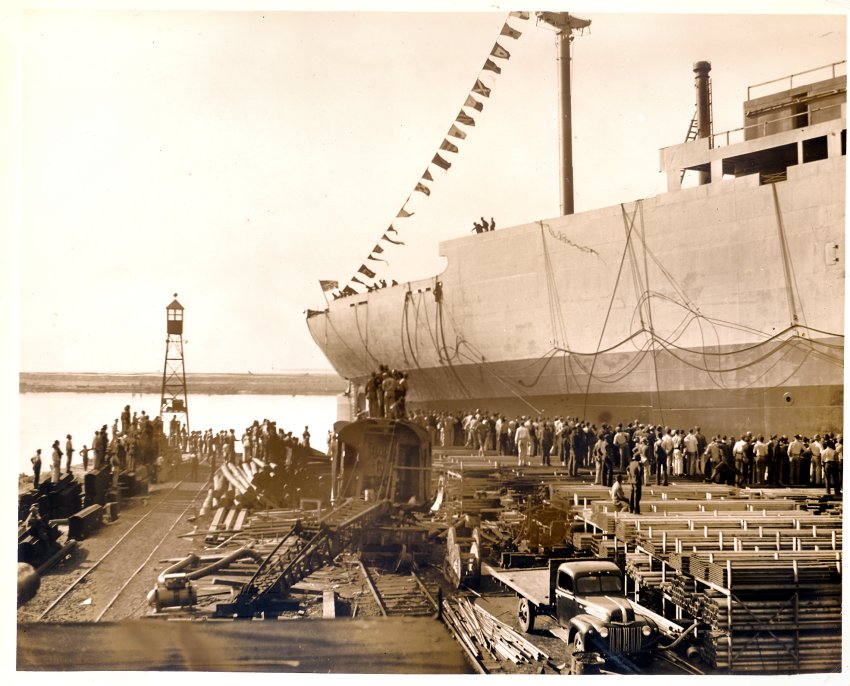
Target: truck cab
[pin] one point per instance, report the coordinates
(591, 606)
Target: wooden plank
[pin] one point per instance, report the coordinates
(328, 604)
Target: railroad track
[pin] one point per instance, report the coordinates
(401, 595)
(90, 599)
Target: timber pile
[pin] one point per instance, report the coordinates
(777, 616)
(483, 634)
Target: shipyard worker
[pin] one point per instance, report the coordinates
(600, 455)
(388, 386)
(125, 420)
(523, 443)
(84, 456)
(477, 228)
(69, 451)
(621, 445)
(691, 453)
(636, 480)
(829, 459)
(492, 224)
(711, 456)
(305, 437)
(36, 468)
(795, 455)
(817, 469)
(56, 462)
(618, 497)
(760, 449)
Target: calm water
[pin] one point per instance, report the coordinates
(45, 417)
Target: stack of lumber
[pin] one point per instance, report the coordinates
(640, 567)
(482, 633)
(779, 614)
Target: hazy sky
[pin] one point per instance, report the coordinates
(239, 157)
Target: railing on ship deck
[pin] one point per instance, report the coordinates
(727, 138)
(787, 82)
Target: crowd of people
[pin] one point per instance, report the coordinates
(132, 439)
(136, 438)
(386, 393)
(660, 452)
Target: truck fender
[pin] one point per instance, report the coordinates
(580, 624)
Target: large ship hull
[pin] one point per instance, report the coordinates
(720, 305)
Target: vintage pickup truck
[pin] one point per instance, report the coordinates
(586, 598)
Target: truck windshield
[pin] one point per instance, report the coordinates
(599, 583)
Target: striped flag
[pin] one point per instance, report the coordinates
(422, 188)
(464, 118)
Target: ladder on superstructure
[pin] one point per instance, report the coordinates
(693, 129)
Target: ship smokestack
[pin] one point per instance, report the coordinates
(703, 87)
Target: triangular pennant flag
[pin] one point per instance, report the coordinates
(356, 280)
(391, 228)
(377, 259)
(390, 240)
(456, 132)
(510, 32)
(404, 213)
(422, 188)
(348, 290)
(427, 175)
(377, 249)
(366, 271)
(451, 147)
(473, 103)
(519, 15)
(481, 89)
(492, 66)
(440, 162)
(464, 118)
(328, 285)
(499, 51)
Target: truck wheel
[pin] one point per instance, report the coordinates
(526, 612)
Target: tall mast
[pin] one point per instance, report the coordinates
(564, 24)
